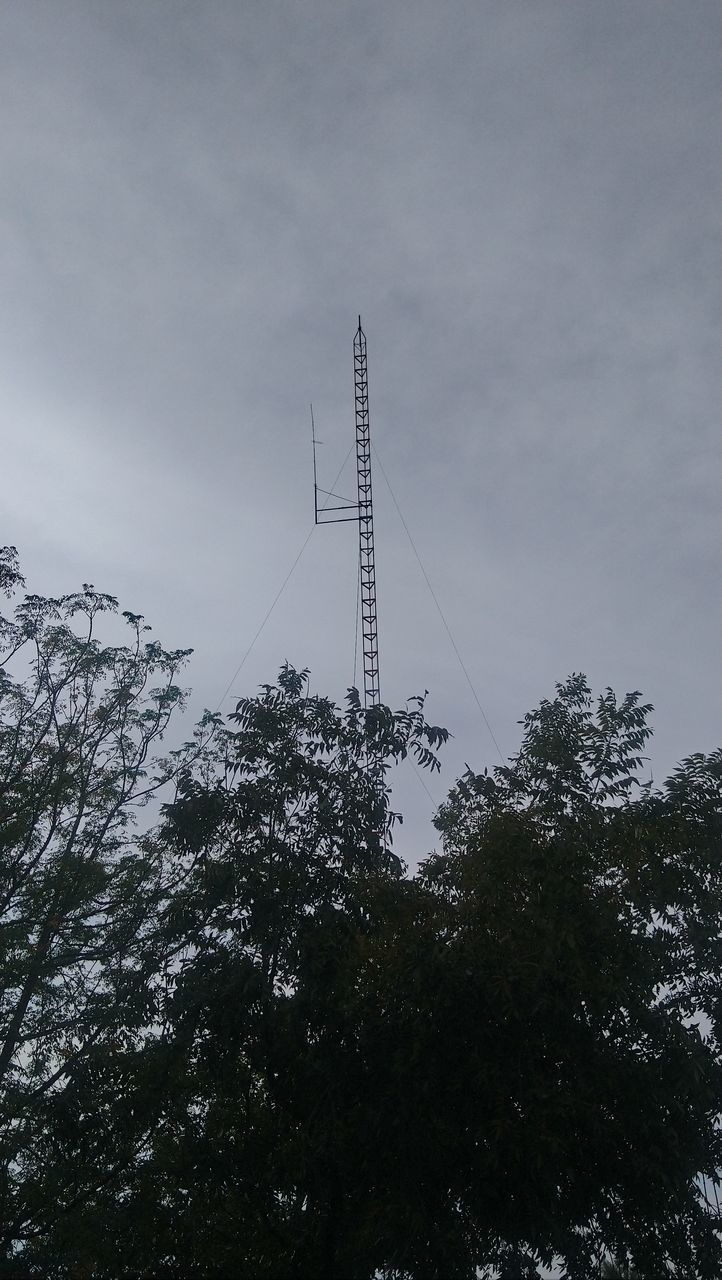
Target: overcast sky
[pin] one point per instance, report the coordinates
(519, 196)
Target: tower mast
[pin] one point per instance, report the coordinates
(363, 511)
(367, 563)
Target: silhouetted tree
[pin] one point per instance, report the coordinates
(309, 1063)
(573, 995)
(255, 1167)
(78, 891)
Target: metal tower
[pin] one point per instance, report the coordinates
(367, 564)
(363, 511)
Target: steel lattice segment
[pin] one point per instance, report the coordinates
(369, 624)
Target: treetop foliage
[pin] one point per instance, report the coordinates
(241, 1039)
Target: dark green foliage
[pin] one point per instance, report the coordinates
(79, 893)
(288, 849)
(255, 1047)
(581, 921)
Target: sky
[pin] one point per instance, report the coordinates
(520, 197)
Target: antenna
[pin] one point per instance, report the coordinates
(362, 511)
(369, 621)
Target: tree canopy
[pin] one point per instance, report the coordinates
(242, 1039)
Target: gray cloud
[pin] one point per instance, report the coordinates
(522, 201)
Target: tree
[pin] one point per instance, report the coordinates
(573, 998)
(279, 838)
(488, 1065)
(292, 850)
(78, 890)
(311, 1064)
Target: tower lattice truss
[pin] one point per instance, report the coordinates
(367, 563)
(363, 512)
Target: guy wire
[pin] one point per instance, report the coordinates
(278, 594)
(438, 606)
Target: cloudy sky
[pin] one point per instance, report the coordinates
(519, 196)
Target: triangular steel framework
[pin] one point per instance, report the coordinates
(362, 511)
